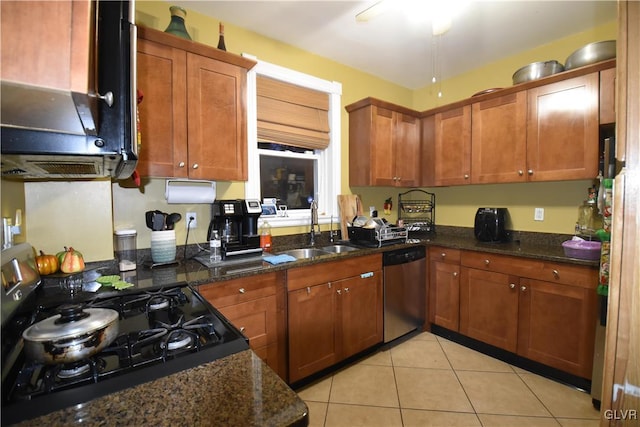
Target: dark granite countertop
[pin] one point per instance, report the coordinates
(240, 389)
(237, 390)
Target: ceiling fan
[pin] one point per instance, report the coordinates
(440, 12)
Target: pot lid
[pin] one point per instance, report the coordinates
(72, 322)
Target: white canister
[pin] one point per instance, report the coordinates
(163, 246)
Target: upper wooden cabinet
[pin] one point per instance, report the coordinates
(384, 144)
(498, 141)
(193, 115)
(446, 138)
(49, 44)
(607, 96)
(546, 133)
(562, 129)
(48, 65)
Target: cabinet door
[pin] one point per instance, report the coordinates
(607, 96)
(444, 294)
(498, 143)
(217, 120)
(556, 325)
(256, 320)
(49, 43)
(562, 130)
(163, 111)
(313, 329)
(489, 307)
(407, 148)
(452, 149)
(383, 155)
(360, 302)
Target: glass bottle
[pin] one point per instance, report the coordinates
(176, 26)
(221, 44)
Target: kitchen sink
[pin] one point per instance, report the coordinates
(339, 248)
(305, 253)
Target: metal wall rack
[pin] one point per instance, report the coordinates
(417, 209)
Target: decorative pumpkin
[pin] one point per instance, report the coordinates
(72, 261)
(47, 264)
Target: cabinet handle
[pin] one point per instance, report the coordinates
(523, 288)
(242, 329)
(486, 262)
(329, 285)
(308, 290)
(520, 172)
(241, 290)
(181, 164)
(195, 166)
(443, 255)
(455, 274)
(466, 176)
(346, 290)
(530, 171)
(556, 274)
(512, 285)
(339, 291)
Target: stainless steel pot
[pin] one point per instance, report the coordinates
(591, 53)
(536, 70)
(72, 335)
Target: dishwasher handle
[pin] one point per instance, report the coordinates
(403, 256)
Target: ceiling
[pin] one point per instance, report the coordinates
(397, 45)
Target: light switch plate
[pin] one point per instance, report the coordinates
(538, 214)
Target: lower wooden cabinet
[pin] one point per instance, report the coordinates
(256, 306)
(543, 311)
(334, 311)
(444, 290)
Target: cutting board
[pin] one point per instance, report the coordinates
(349, 206)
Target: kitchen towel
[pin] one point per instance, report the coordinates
(278, 259)
(190, 191)
(350, 206)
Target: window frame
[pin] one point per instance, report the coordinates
(329, 172)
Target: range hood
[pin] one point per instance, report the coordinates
(52, 133)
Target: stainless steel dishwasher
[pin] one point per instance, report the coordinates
(404, 291)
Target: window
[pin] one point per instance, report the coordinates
(294, 167)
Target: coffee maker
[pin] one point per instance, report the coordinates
(236, 222)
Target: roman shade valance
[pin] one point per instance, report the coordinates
(292, 115)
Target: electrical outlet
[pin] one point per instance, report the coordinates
(191, 223)
(538, 214)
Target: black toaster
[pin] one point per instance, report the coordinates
(491, 225)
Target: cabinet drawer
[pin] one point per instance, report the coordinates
(501, 263)
(447, 255)
(301, 277)
(255, 319)
(222, 294)
(582, 276)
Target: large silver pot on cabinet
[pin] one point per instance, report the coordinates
(74, 334)
(536, 70)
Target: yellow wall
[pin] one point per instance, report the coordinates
(455, 205)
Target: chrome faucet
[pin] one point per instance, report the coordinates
(314, 222)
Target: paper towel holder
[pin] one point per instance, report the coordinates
(190, 191)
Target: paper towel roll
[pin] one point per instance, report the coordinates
(190, 191)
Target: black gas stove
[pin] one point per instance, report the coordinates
(161, 331)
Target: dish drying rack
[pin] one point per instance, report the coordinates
(377, 237)
(417, 209)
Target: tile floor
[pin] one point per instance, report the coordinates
(430, 381)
